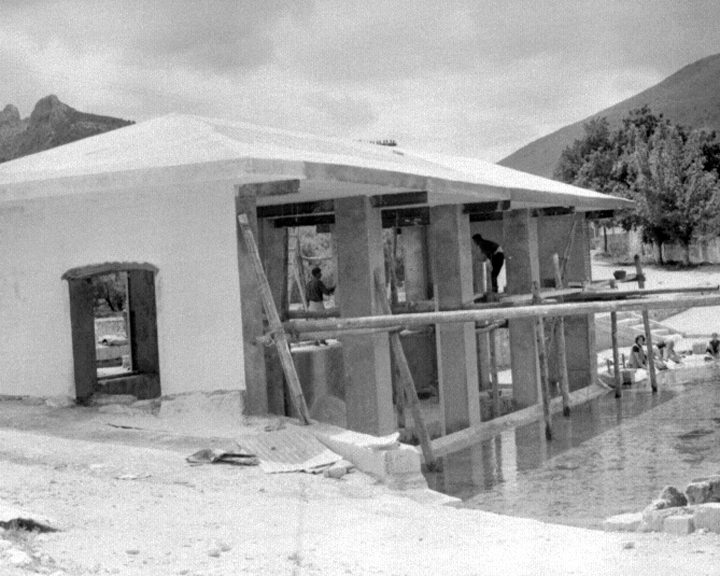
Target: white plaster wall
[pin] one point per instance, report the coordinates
(188, 233)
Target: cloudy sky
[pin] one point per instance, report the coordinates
(471, 77)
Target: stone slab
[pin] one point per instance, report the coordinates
(384, 458)
(680, 524)
(707, 517)
(623, 522)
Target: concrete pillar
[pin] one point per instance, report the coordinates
(450, 254)
(522, 268)
(273, 252)
(414, 246)
(368, 385)
(256, 400)
(554, 233)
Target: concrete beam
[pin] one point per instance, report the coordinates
(450, 256)
(522, 268)
(366, 358)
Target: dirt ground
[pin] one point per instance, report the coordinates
(127, 502)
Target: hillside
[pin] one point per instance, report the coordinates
(690, 97)
(50, 124)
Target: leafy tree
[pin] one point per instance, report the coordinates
(109, 291)
(671, 174)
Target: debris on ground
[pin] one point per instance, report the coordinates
(238, 457)
(292, 449)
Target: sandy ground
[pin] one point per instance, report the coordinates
(127, 502)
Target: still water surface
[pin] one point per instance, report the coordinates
(611, 456)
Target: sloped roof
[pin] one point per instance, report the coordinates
(326, 167)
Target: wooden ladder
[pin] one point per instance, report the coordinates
(277, 333)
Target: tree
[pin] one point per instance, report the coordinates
(671, 174)
(109, 289)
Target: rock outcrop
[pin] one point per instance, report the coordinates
(51, 123)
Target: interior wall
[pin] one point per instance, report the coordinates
(188, 233)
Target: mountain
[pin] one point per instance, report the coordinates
(690, 97)
(50, 124)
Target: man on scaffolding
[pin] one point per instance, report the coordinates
(494, 254)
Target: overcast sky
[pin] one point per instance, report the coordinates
(470, 77)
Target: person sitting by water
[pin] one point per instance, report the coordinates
(638, 358)
(712, 352)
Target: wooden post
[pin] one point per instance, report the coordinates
(616, 355)
(648, 333)
(568, 247)
(406, 380)
(276, 327)
(562, 352)
(495, 391)
(542, 359)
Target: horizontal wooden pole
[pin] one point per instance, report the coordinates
(493, 315)
(327, 313)
(617, 294)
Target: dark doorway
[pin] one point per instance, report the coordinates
(122, 359)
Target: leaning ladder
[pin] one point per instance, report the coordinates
(277, 333)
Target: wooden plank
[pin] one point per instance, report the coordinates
(406, 380)
(495, 383)
(401, 217)
(502, 313)
(398, 199)
(552, 211)
(648, 332)
(309, 220)
(618, 294)
(616, 354)
(486, 207)
(568, 249)
(542, 359)
(276, 327)
(296, 209)
(562, 351)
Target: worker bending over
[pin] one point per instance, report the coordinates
(494, 254)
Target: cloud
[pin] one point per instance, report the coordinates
(457, 76)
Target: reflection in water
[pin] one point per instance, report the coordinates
(610, 456)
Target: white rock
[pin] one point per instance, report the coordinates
(681, 524)
(18, 557)
(623, 522)
(707, 516)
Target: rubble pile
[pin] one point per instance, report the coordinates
(675, 512)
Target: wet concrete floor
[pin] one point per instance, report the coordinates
(611, 456)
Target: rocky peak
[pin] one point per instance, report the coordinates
(10, 116)
(48, 109)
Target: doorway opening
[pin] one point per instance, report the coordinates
(113, 318)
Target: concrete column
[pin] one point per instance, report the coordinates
(554, 233)
(368, 385)
(273, 252)
(414, 246)
(256, 400)
(450, 254)
(522, 268)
